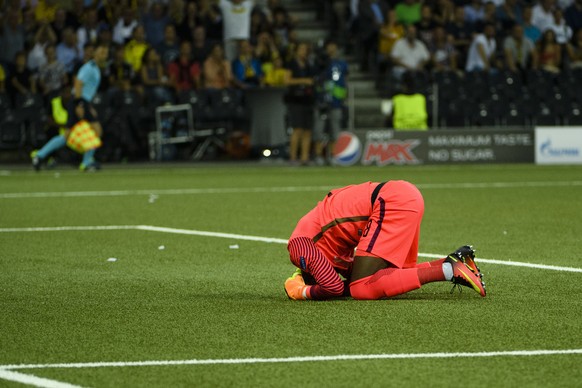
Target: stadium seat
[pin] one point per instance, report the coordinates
(453, 113)
(198, 100)
(513, 114)
(12, 132)
(226, 105)
(5, 103)
(544, 114)
(103, 107)
(573, 114)
(484, 114)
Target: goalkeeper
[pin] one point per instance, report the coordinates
(368, 233)
(85, 88)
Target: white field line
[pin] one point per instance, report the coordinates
(254, 238)
(287, 189)
(33, 380)
(340, 357)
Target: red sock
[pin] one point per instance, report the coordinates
(431, 274)
(385, 284)
(434, 263)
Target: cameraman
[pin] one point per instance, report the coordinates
(331, 94)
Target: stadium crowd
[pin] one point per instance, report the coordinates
(159, 49)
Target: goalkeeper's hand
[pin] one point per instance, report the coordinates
(295, 287)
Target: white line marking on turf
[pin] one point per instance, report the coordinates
(212, 234)
(254, 238)
(340, 357)
(32, 380)
(288, 189)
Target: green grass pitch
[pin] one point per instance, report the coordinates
(63, 302)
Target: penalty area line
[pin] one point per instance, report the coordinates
(234, 236)
(340, 357)
(35, 381)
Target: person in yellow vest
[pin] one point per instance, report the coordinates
(409, 108)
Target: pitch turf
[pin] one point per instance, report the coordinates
(62, 301)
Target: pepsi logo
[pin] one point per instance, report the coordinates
(347, 150)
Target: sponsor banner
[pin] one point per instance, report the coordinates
(558, 145)
(386, 147)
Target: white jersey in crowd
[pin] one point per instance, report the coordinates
(474, 60)
(411, 56)
(236, 19)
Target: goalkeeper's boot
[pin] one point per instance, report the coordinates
(463, 275)
(295, 287)
(466, 254)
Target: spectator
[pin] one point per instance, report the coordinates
(520, 52)
(216, 70)
(135, 48)
(408, 11)
(44, 36)
(574, 51)
(389, 34)
(573, 15)
(236, 16)
(120, 76)
(155, 81)
(169, 48)
(442, 51)
(67, 51)
(246, 68)
(370, 19)
(508, 14)
(200, 45)
(11, 37)
(550, 52)
(266, 51)
(300, 105)
(21, 81)
(461, 31)
(277, 75)
(282, 27)
(543, 14)
(184, 73)
(105, 37)
(259, 25)
(212, 20)
(482, 50)
(76, 14)
(561, 29)
(190, 21)
(123, 30)
(409, 53)
(176, 12)
(443, 12)
(530, 31)
(45, 11)
(474, 11)
(489, 17)
(52, 75)
(330, 102)
(154, 23)
(425, 27)
(60, 23)
(89, 30)
(30, 27)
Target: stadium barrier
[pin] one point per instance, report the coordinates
(454, 146)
